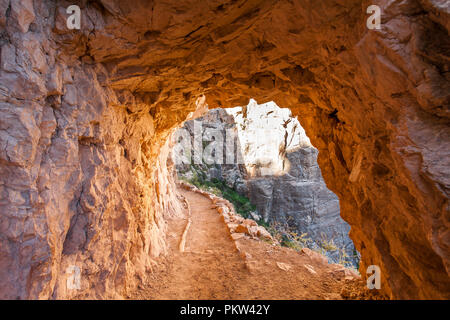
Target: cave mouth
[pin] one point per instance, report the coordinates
(259, 158)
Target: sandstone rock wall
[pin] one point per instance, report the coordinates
(278, 172)
(374, 102)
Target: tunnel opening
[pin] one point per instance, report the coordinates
(260, 159)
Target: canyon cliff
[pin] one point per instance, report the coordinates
(86, 116)
(267, 158)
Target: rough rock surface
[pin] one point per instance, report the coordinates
(216, 136)
(85, 115)
(285, 182)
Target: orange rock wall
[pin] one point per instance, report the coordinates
(86, 115)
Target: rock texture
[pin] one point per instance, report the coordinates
(85, 116)
(285, 182)
(219, 154)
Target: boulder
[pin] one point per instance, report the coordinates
(315, 256)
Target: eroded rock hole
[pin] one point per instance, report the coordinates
(260, 159)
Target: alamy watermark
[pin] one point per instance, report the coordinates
(374, 281)
(74, 20)
(74, 278)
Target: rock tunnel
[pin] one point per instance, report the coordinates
(86, 117)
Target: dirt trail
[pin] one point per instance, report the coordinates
(211, 267)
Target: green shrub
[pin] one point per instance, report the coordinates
(241, 204)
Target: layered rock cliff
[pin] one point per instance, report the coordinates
(85, 117)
